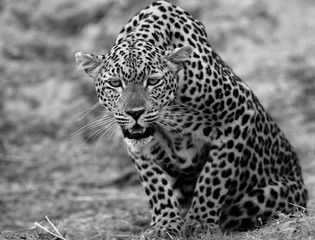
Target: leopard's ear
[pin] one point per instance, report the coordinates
(90, 63)
(177, 58)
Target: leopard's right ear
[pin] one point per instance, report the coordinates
(90, 63)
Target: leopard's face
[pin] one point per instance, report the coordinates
(134, 83)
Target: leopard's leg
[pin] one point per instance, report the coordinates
(165, 214)
(257, 206)
(211, 188)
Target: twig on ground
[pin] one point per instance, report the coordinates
(57, 234)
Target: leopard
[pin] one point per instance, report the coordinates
(206, 151)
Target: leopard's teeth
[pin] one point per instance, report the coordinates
(137, 131)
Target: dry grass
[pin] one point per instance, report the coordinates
(87, 186)
(295, 226)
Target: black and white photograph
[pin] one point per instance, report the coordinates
(162, 120)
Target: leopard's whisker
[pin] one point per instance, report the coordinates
(86, 112)
(97, 132)
(115, 129)
(188, 107)
(97, 122)
(168, 127)
(170, 118)
(107, 130)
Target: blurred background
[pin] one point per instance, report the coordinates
(87, 184)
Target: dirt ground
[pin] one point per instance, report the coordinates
(86, 183)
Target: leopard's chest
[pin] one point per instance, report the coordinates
(179, 155)
(182, 158)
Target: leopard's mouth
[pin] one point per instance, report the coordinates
(138, 132)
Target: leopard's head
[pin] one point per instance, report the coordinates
(134, 81)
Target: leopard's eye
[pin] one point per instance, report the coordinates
(115, 83)
(153, 81)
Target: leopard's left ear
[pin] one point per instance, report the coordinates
(90, 63)
(177, 58)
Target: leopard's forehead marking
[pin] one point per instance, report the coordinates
(132, 61)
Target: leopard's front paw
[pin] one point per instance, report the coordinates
(194, 228)
(158, 233)
(165, 228)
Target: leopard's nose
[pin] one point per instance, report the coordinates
(135, 113)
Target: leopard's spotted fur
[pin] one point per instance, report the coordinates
(205, 148)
